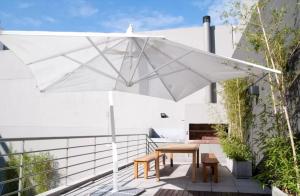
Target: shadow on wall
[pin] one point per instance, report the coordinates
(167, 134)
(153, 134)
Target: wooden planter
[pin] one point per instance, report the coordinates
(240, 169)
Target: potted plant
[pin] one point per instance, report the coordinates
(238, 157)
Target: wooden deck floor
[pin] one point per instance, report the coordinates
(171, 192)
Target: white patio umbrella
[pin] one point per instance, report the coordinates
(128, 62)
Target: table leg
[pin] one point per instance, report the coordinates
(136, 169)
(198, 158)
(194, 167)
(171, 159)
(216, 173)
(146, 170)
(157, 165)
(204, 173)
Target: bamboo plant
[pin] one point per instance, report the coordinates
(267, 35)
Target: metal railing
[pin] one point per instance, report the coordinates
(69, 159)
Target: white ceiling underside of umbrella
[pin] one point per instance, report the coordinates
(130, 63)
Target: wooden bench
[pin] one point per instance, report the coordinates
(145, 160)
(209, 160)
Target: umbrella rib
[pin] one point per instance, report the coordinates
(106, 59)
(252, 65)
(63, 78)
(162, 66)
(66, 76)
(123, 60)
(148, 60)
(92, 68)
(139, 59)
(162, 75)
(111, 47)
(197, 73)
(182, 64)
(71, 51)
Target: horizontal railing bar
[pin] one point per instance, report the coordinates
(131, 145)
(9, 181)
(15, 167)
(129, 156)
(62, 137)
(30, 187)
(45, 150)
(76, 164)
(127, 141)
(35, 151)
(103, 151)
(95, 178)
(103, 164)
(135, 152)
(102, 158)
(87, 153)
(78, 172)
(22, 190)
(8, 168)
(84, 170)
(56, 169)
(130, 151)
(63, 148)
(64, 167)
(11, 193)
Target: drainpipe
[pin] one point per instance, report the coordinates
(207, 47)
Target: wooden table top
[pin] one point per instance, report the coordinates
(178, 147)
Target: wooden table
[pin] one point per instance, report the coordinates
(179, 148)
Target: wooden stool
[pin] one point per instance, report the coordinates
(209, 159)
(145, 160)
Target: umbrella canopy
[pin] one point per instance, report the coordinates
(128, 62)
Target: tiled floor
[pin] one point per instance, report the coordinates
(177, 178)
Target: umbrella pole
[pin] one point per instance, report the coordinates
(114, 145)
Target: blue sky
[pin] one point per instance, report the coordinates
(106, 15)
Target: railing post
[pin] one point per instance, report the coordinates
(147, 145)
(127, 148)
(137, 146)
(67, 160)
(20, 187)
(95, 149)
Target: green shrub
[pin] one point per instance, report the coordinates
(38, 172)
(233, 147)
(278, 168)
